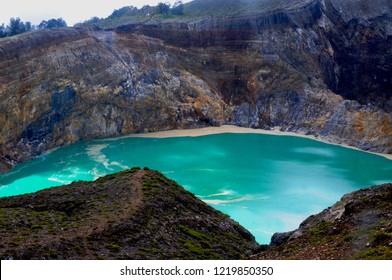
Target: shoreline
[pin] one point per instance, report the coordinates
(196, 132)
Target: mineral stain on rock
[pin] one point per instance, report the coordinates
(314, 67)
(319, 67)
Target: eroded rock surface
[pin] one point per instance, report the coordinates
(359, 226)
(320, 67)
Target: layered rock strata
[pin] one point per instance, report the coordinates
(319, 67)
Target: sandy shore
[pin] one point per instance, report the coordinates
(229, 129)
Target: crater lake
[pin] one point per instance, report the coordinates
(267, 183)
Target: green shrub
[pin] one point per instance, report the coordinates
(113, 247)
(380, 238)
(378, 253)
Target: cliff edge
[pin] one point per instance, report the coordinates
(140, 214)
(359, 226)
(318, 67)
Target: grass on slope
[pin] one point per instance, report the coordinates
(134, 214)
(193, 10)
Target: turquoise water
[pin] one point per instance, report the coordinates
(267, 183)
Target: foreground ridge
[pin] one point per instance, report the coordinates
(140, 214)
(134, 214)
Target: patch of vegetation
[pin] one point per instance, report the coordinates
(291, 249)
(193, 233)
(348, 238)
(36, 227)
(319, 233)
(17, 26)
(196, 249)
(52, 254)
(151, 184)
(113, 247)
(105, 179)
(381, 238)
(377, 253)
(151, 251)
(15, 241)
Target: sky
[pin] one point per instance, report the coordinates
(72, 11)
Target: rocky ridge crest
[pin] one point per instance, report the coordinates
(359, 226)
(134, 214)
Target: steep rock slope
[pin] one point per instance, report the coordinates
(320, 67)
(59, 87)
(317, 67)
(135, 214)
(359, 226)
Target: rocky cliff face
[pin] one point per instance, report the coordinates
(320, 67)
(70, 85)
(359, 226)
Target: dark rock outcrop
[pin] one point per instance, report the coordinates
(359, 226)
(72, 85)
(320, 67)
(135, 214)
